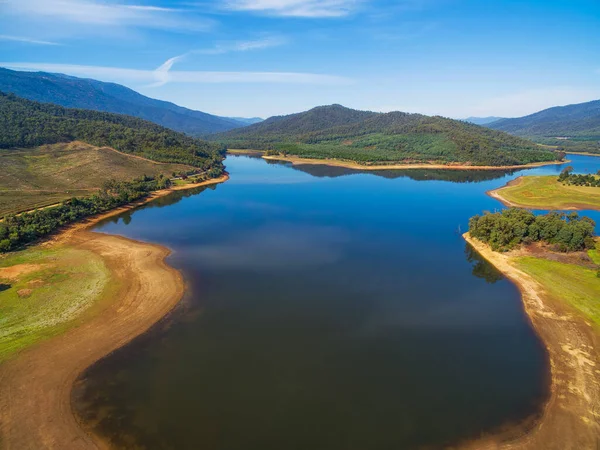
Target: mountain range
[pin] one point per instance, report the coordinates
(366, 137)
(73, 92)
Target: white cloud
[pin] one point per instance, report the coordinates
(164, 75)
(103, 13)
(243, 46)
(25, 40)
(296, 8)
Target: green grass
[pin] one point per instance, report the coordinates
(575, 285)
(34, 178)
(545, 192)
(595, 253)
(62, 284)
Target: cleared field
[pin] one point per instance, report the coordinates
(570, 283)
(34, 178)
(545, 192)
(44, 291)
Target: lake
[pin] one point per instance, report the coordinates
(326, 309)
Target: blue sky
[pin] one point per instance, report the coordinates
(455, 58)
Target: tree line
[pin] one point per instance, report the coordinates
(18, 230)
(25, 123)
(511, 227)
(568, 177)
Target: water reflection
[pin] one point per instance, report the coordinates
(322, 313)
(482, 268)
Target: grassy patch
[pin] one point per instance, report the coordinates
(38, 177)
(595, 253)
(44, 291)
(545, 192)
(575, 285)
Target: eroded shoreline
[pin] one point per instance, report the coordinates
(353, 165)
(571, 416)
(35, 398)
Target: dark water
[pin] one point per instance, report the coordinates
(326, 310)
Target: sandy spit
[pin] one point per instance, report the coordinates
(35, 387)
(353, 165)
(570, 419)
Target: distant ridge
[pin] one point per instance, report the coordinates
(367, 137)
(578, 120)
(73, 92)
(482, 120)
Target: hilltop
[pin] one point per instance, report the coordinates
(368, 137)
(73, 92)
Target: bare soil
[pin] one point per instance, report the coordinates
(35, 387)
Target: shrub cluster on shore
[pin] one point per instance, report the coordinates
(18, 230)
(511, 227)
(567, 177)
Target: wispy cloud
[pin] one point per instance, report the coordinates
(296, 8)
(243, 46)
(102, 13)
(164, 75)
(26, 40)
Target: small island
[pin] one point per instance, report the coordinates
(567, 191)
(555, 262)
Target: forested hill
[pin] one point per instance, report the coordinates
(580, 120)
(294, 125)
(72, 92)
(24, 123)
(368, 137)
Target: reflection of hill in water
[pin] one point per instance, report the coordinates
(456, 176)
(171, 199)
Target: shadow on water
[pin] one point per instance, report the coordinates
(161, 202)
(481, 268)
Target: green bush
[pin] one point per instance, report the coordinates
(514, 226)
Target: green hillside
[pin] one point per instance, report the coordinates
(573, 127)
(42, 176)
(367, 137)
(24, 123)
(73, 92)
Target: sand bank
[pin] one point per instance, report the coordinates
(35, 387)
(571, 417)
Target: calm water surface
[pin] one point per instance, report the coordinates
(326, 309)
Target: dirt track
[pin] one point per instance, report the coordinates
(571, 418)
(35, 387)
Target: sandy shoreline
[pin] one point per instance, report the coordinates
(571, 417)
(35, 394)
(352, 165)
(497, 194)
